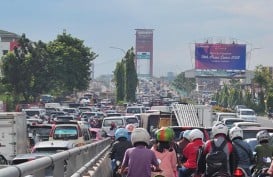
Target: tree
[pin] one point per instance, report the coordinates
(70, 63)
(119, 81)
(24, 71)
(185, 84)
(131, 80)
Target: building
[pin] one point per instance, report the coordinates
(144, 53)
(8, 41)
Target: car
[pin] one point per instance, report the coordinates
(246, 124)
(251, 132)
(230, 121)
(34, 121)
(237, 107)
(52, 147)
(119, 121)
(64, 118)
(219, 116)
(40, 132)
(71, 130)
(35, 112)
(247, 114)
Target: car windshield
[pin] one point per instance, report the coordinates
(247, 113)
(65, 133)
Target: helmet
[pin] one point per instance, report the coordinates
(186, 134)
(195, 134)
(262, 136)
(130, 127)
(121, 132)
(219, 128)
(235, 132)
(164, 134)
(140, 135)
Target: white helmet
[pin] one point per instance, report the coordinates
(262, 135)
(195, 134)
(219, 128)
(140, 135)
(235, 132)
(186, 134)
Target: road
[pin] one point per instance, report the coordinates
(264, 121)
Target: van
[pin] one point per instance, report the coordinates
(120, 121)
(247, 115)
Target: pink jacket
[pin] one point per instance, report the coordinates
(168, 162)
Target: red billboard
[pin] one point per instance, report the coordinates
(220, 56)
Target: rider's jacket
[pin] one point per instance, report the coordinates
(119, 148)
(190, 153)
(264, 152)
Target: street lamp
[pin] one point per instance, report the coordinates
(250, 52)
(112, 47)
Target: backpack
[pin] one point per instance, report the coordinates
(216, 160)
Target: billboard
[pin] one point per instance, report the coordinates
(220, 56)
(144, 52)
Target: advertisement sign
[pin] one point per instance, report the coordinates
(144, 52)
(220, 56)
(143, 55)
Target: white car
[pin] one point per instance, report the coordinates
(53, 147)
(247, 115)
(243, 125)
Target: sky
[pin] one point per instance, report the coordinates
(177, 24)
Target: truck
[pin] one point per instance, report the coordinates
(13, 135)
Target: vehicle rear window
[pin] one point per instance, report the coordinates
(133, 110)
(65, 133)
(108, 122)
(131, 120)
(50, 150)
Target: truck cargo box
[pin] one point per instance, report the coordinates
(13, 134)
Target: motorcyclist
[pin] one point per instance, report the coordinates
(244, 155)
(137, 160)
(190, 153)
(219, 136)
(164, 151)
(119, 147)
(264, 152)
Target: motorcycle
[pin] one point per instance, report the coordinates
(116, 164)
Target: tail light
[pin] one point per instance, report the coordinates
(238, 173)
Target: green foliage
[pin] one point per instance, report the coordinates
(60, 67)
(130, 76)
(119, 81)
(125, 78)
(185, 84)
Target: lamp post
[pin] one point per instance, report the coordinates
(113, 47)
(250, 52)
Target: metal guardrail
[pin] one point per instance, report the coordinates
(74, 162)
